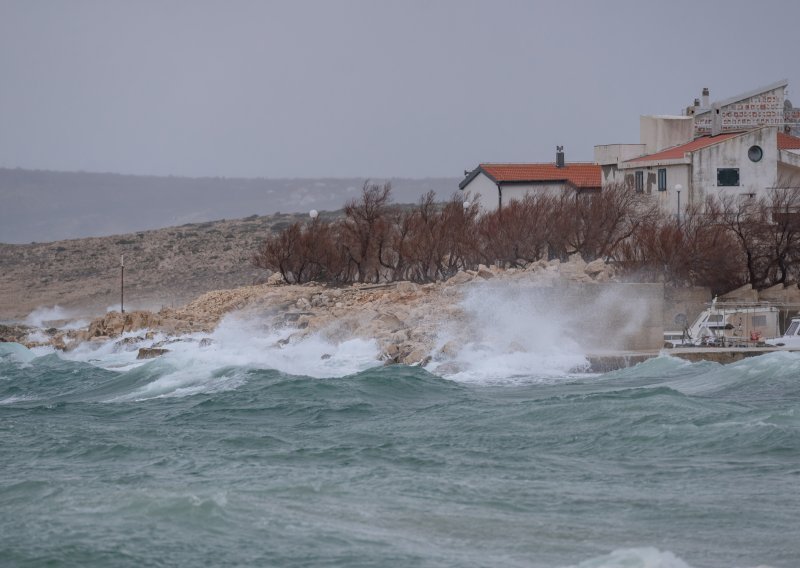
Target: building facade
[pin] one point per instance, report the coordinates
(739, 147)
(765, 106)
(494, 185)
(739, 164)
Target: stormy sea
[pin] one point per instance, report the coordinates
(244, 451)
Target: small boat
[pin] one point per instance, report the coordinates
(791, 338)
(728, 324)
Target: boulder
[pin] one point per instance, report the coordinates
(595, 267)
(275, 279)
(448, 350)
(406, 287)
(151, 352)
(459, 278)
(485, 273)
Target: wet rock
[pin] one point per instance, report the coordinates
(127, 344)
(151, 352)
(390, 322)
(449, 350)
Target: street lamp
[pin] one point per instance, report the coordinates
(678, 188)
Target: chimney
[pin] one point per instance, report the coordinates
(705, 97)
(559, 156)
(716, 120)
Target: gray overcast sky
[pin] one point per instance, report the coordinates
(349, 88)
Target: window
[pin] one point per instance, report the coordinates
(727, 177)
(662, 179)
(639, 182)
(755, 153)
(758, 321)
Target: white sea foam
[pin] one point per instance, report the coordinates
(635, 558)
(646, 557)
(220, 360)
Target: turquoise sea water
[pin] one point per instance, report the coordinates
(213, 459)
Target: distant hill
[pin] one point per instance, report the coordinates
(163, 267)
(43, 206)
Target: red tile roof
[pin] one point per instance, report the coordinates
(677, 152)
(787, 142)
(581, 175)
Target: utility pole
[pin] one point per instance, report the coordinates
(122, 283)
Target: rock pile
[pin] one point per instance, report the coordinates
(402, 317)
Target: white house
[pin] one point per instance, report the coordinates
(497, 184)
(740, 146)
(745, 164)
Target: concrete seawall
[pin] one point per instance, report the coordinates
(607, 362)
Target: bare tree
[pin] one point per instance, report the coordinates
(522, 230)
(696, 250)
(302, 253)
(365, 230)
(596, 224)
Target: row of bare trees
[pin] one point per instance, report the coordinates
(723, 244)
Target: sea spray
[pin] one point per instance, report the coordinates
(522, 328)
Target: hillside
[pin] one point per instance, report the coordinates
(47, 206)
(163, 267)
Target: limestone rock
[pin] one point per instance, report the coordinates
(485, 273)
(151, 352)
(406, 287)
(275, 279)
(459, 278)
(595, 267)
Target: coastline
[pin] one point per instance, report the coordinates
(412, 324)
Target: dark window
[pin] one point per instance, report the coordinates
(639, 182)
(727, 177)
(755, 153)
(662, 179)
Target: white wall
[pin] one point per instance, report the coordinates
(518, 191)
(606, 154)
(488, 198)
(754, 177)
(660, 132)
(667, 200)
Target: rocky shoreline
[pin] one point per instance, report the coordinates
(403, 318)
